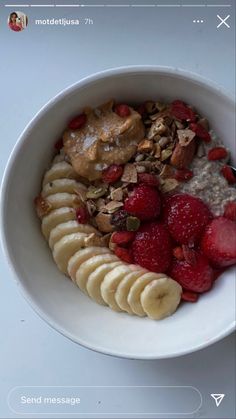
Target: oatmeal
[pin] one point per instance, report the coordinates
(207, 182)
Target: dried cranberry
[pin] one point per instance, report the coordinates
(59, 144)
(122, 110)
(112, 173)
(148, 179)
(118, 219)
(78, 122)
(82, 215)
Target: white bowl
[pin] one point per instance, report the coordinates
(54, 297)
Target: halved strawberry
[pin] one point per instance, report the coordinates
(197, 277)
(219, 242)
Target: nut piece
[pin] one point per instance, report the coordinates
(130, 174)
(103, 222)
(169, 185)
(145, 146)
(43, 207)
(112, 206)
(117, 194)
(93, 240)
(185, 136)
(183, 156)
(158, 127)
(95, 192)
(165, 154)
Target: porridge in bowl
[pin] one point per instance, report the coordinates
(139, 206)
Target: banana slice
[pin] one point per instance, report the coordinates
(56, 217)
(136, 289)
(59, 200)
(110, 283)
(124, 286)
(60, 186)
(69, 227)
(95, 279)
(161, 297)
(81, 256)
(58, 171)
(67, 247)
(89, 266)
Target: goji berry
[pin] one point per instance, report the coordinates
(228, 174)
(189, 296)
(112, 173)
(122, 237)
(183, 174)
(217, 153)
(122, 110)
(78, 122)
(124, 254)
(181, 111)
(201, 132)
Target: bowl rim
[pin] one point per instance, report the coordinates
(111, 72)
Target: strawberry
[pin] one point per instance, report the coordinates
(230, 211)
(124, 254)
(78, 122)
(82, 215)
(181, 111)
(183, 175)
(148, 179)
(197, 278)
(228, 174)
(144, 203)
(201, 132)
(122, 237)
(152, 247)
(217, 153)
(112, 173)
(186, 217)
(219, 242)
(189, 296)
(122, 110)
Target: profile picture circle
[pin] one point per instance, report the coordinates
(17, 21)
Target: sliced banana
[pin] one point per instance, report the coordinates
(59, 200)
(56, 217)
(110, 283)
(59, 170)
(65, 248)
(136, 290)
(95, 279)
(69, 227)
(81, 256)
(161, 297)
(62, 185)
(87, 267)
(124, 286)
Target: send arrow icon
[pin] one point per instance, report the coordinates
(218, 398)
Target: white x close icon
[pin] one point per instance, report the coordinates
(223, 21)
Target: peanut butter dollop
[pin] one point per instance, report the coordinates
(105, 139)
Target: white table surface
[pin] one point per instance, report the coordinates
(35, 65)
